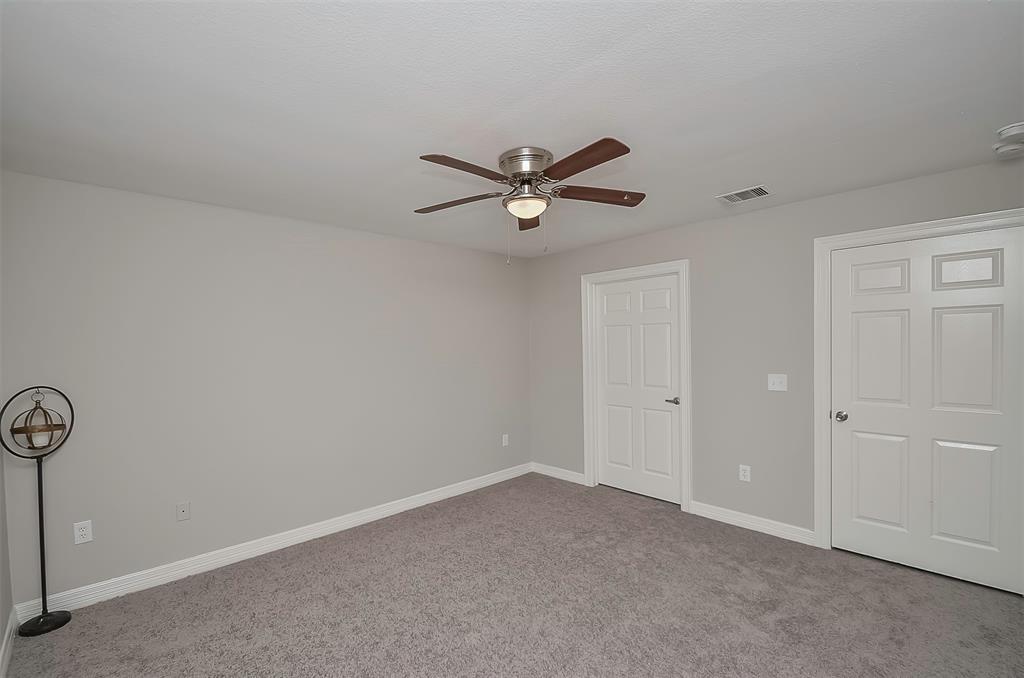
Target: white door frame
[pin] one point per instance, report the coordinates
(588, 289)
(823, 248)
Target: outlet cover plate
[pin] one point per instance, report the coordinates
(184, 510)
(83, 532)
(744, 473)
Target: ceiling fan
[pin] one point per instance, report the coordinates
(528, 168)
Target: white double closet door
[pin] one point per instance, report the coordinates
(928, 413)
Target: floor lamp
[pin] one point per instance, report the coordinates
(35, 434)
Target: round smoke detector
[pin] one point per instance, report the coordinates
(1008, 151)
(1011, 141)
(1011, 133)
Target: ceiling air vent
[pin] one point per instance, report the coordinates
(743, 195)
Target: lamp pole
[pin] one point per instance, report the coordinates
(37, 433)
(42, 535)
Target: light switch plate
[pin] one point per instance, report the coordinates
(778, 382)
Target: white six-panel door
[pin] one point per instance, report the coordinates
(927, 438)
(638, 353)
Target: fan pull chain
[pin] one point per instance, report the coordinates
(508, 240)
(544, 226)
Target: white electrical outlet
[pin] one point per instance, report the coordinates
(744, 473)
(83, 531)
(778, 382)
(184, 510)
(504, 440)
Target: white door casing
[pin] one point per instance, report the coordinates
(926, 343)
(636, 355)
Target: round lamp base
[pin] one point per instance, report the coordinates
(44, 623)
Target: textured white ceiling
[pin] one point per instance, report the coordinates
(319, 111)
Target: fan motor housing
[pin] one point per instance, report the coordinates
(525, 160)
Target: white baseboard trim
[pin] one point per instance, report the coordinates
(162, 574)
(8, 642)
(750, 522)
(766, 525)
(560, 473)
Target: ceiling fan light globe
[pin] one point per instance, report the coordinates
(526, 208)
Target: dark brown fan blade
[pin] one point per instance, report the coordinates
(455, 163)
(608, 196)
(527, 224)
(593, 155)
(453, 203)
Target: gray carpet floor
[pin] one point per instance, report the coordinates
(540, 577)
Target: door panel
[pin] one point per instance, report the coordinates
(656, 441)
(618, 355)
(619, 444)
(880, 479)
(881, 277)
(963, 493)
(638, 359)
(881, 355)
(968, 357)
(657, 355)
(927, 470)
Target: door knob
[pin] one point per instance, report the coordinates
(674, 401)
(841, 415)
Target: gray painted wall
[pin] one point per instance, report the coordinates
(273, 372)
(752, 313)
(277, 373)
(6, 599)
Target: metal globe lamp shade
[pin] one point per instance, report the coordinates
(36, 433)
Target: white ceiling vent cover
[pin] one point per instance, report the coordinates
(743, 195)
